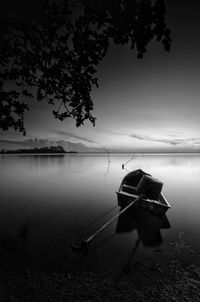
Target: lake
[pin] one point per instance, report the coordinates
(51, 201)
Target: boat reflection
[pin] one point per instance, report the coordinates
(147, 225)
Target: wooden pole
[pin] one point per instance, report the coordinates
(83, 247)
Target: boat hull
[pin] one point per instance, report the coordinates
(151, 205)
(128, 192)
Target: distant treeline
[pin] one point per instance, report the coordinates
(51, 149)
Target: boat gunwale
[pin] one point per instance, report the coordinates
(158, 202)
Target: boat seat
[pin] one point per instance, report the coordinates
(127, 194)
(129, 189)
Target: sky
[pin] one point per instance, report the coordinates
(141, 105)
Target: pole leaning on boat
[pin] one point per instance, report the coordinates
(84, 245)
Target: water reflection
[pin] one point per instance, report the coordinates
(14, 244)
(47, 198)
(146, 224)
(148, 227)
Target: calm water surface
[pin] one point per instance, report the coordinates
(46, 200)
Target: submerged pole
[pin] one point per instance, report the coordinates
(123, 165)
(83, 247)
(108, 154)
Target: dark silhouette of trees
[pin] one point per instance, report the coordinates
(51, 149)
(55, 58)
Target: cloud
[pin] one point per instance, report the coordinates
(27, 142)
(169, 141)
(104, 130)
(72, 135)
(11, 142)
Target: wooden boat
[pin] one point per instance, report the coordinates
(139, 183)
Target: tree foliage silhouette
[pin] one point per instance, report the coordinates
(55, 58)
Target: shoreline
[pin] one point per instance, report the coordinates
(174, 276)
(87, 286)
